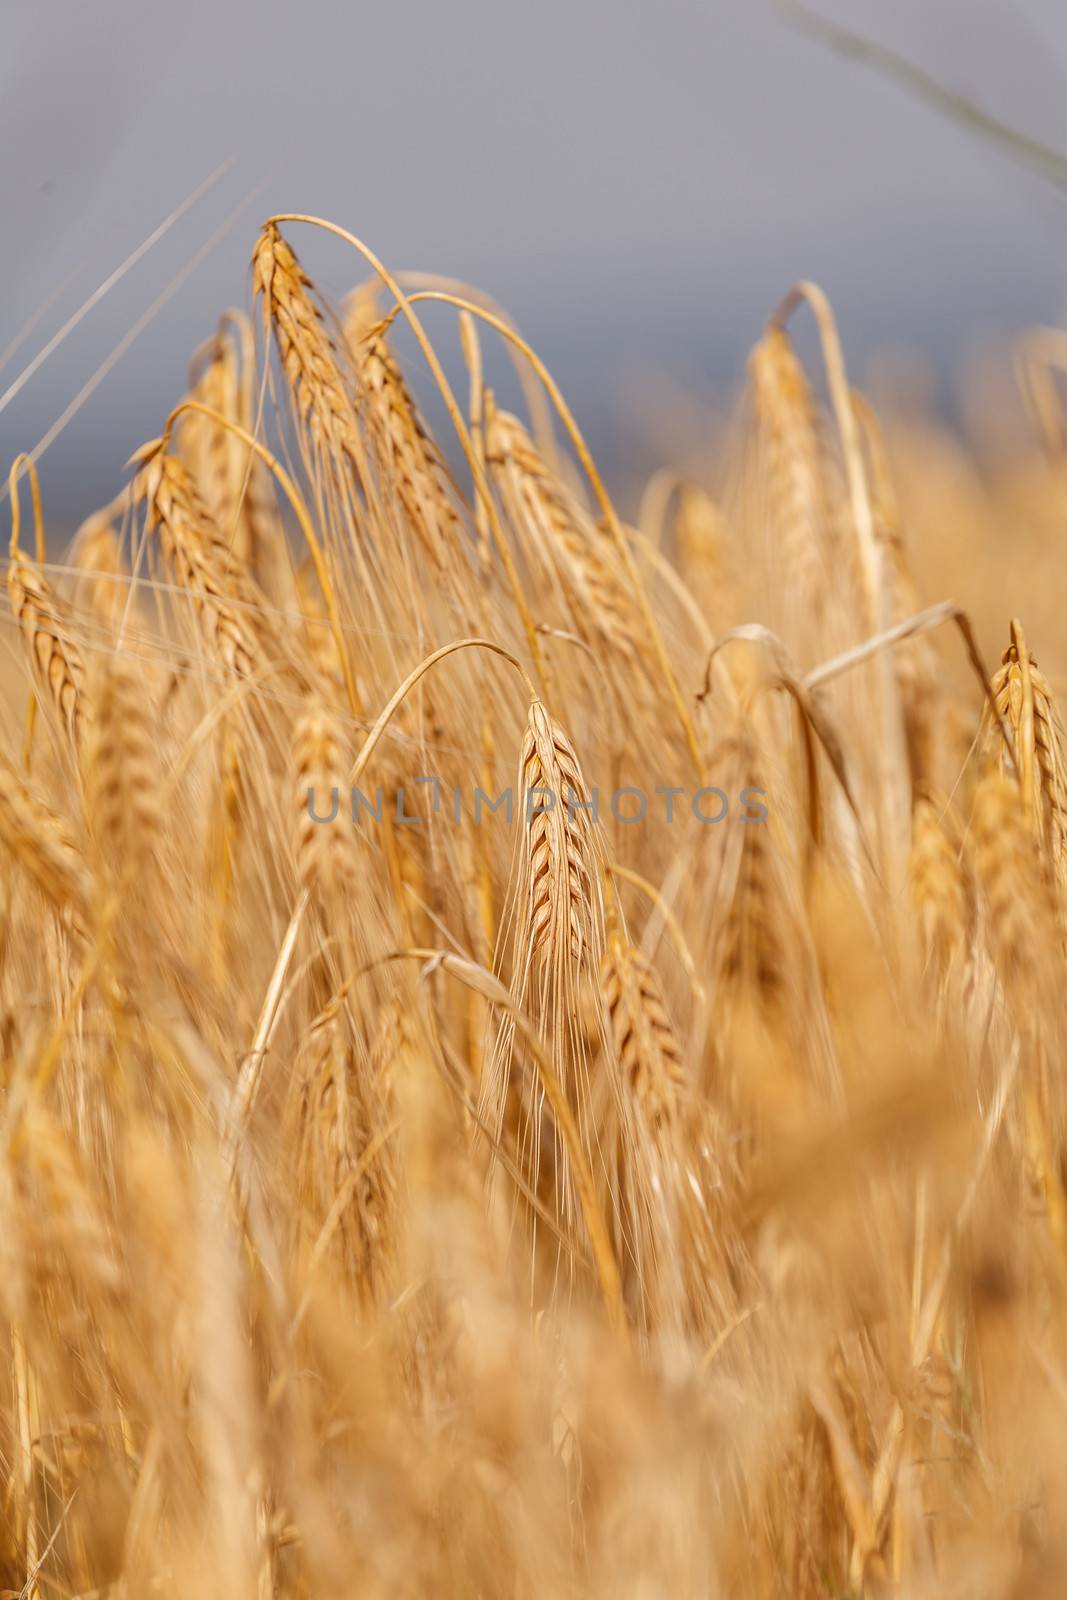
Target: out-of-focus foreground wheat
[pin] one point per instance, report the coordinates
(601, 1202)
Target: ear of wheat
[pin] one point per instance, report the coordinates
(559, 880)
(309, 357)
(1018, 903)
(940, 885)
(42, 845)
(914, 661)
(411, 461)
(1024, 700)
(205, 567)
(796, 494)
(324, 837)
(50, 634)
(232, 480)
(212, 453)
(124, 781)
(104, 580)
(562, 541)
(646, 1047)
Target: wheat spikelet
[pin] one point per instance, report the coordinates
(754, 957)
(202, 564)
(48, 630)
(1025, 702)
(648, 1084)
(207, 448)
(409, 457)
(646, 1047)
(309, 356)
(1019, 914)
(325, 850)
(322, 1075)
(42, 845)
(703, 554)
(559, 848)
(556, 918)
(939, 886)
(223, 843)
(123, 770)
(233, 482)
(1024, 941)
(75, 1241)
(98, 556)
(560, 536)
(770, 1045)
(339, 1116)
(914, 661)
(798, 509)
(321, 644)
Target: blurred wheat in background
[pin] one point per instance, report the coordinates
(575, 1207)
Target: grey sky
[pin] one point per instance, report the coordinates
(637, 182)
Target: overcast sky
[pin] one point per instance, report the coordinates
(637, 180)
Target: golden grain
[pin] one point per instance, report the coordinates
(718, 1252)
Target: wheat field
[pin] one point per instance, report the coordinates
(532, 1045)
